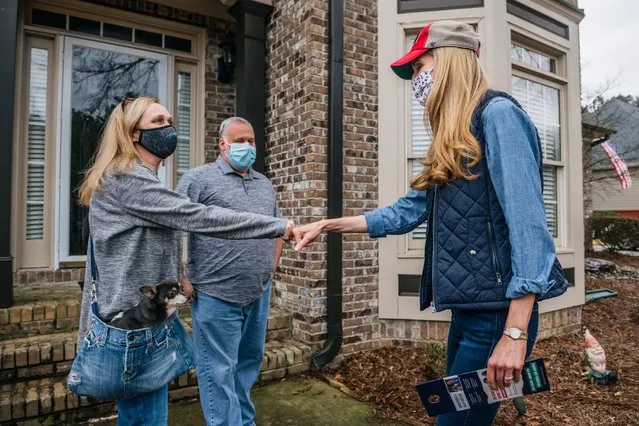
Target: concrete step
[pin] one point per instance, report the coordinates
(47, 400)
(34, 317)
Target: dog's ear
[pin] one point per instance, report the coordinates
(149, 291)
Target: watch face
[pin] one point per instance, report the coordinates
(515, 333)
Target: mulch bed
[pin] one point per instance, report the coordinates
(385, 378)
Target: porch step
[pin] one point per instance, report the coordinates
(34, 317)
(37, 357)
(52, 354)
(47, 400)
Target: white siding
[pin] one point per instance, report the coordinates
(608, 195)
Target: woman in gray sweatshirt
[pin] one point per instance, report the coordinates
(136, 225)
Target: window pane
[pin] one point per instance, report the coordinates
(177, 43)
(99, 80)
(148, 37)
(82, 25)
(542, 104)
(183, 123)
(36, 133)
(117, 32)
(49, 19)
(532, 58)
(550, 198)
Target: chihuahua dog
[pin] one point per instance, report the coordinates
(158, 303)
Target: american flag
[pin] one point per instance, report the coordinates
(620, 166)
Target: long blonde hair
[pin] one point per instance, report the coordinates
(116, 152)
(459, 83)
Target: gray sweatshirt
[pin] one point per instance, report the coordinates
(136, 222)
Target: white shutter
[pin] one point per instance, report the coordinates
(183, 124)
(550, 198)
(420, 137)
(36, 139)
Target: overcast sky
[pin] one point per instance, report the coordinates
(609, 39)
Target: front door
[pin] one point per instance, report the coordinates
(95, 78)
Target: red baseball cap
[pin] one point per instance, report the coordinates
(433, 35)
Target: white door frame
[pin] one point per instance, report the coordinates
(165, 80)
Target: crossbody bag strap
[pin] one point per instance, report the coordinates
(94, 271)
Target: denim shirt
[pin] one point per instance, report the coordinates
(513, 158)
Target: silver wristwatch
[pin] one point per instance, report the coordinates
(515, 333)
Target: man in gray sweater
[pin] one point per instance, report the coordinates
(232, 279)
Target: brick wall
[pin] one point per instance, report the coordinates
(297, 128)
(42, 276)
(418, 333)
(360, 259)
(297, 87)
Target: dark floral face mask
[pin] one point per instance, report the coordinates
(160, 141)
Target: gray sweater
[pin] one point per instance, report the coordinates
(135, 222)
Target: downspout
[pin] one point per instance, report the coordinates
(334, 182)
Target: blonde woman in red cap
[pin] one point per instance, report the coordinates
(489, 256)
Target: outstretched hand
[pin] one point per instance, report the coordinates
(291, 232)
(308, 233)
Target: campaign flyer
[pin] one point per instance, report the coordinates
(464, 391)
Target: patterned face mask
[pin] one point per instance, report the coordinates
(422, 85)
(160, 141)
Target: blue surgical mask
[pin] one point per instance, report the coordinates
(421, 86)
(241, 155)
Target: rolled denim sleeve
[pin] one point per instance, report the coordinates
(513, 156)
(403, 216)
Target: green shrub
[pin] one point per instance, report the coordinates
(604, 213)
(616, 233)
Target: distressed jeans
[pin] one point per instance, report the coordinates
(472, 337)
(150, 409)
(229, 342)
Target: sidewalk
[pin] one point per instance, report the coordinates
(295, 402)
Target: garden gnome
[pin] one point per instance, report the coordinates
(596, 358)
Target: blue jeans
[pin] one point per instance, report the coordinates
(150, 409)
(472, 337)
(229, 342)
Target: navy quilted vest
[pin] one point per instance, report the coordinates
(468, 253)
